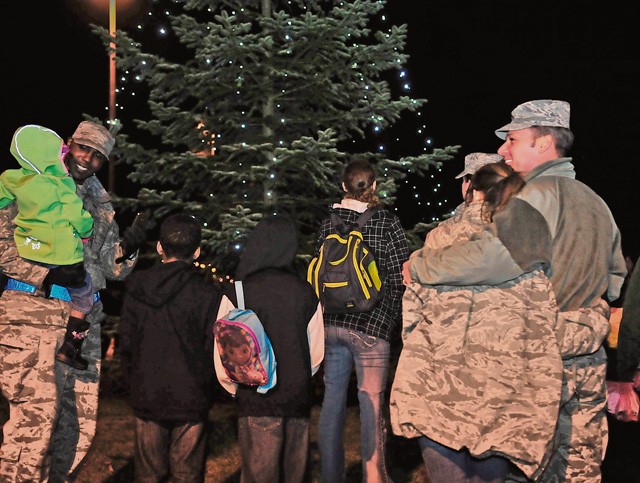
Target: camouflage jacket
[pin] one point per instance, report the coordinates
(100, 252)
(480, 365)
(554, 222)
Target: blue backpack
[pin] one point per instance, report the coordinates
(244, 347)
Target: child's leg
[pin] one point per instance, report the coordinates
(77, 314)
(81, 298)
(70, 351)
(77, 328)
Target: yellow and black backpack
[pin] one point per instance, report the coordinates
(345, 273)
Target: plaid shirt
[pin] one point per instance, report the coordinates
(386, 237)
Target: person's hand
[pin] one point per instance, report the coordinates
(623, 401)
(636, 381)
(133, 239)
(71, 276)
(406, 274)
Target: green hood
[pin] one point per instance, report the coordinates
(38, 150)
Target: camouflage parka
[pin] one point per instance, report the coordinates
(480, 367)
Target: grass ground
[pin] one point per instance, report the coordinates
(111, 456)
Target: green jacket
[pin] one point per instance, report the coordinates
(51, 221)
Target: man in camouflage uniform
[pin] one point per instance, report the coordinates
(560, 224)
(53, 407)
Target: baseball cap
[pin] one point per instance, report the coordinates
(474, 161)
(543, 112)
(95, 136)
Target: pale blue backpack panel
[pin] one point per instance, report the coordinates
(244, 347)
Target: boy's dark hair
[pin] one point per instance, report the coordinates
(180, 236)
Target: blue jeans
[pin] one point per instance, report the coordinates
(271, 443)
(81, 297)
(445, 465)
(170, 449)
(345, 348)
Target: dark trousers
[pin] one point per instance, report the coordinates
(445, 465)
(273, 449)
(172, 450)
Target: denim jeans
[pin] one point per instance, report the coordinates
(170, 450)
(269, 444)
(445, 465)
(345, 348)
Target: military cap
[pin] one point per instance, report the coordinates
(474, 161)
(542, 112)
(95, 136)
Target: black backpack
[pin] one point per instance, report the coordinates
(345, 274)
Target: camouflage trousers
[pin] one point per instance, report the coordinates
(52, 407)
(581, 432)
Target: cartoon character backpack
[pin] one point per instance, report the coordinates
(244, 347)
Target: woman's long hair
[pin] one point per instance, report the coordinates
(499, 182)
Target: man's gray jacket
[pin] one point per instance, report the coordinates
(555, 222)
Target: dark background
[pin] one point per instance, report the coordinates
(473, 60)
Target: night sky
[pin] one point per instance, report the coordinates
(473, 60)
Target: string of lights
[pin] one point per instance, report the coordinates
(420, 197)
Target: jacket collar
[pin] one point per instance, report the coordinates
(556, 167)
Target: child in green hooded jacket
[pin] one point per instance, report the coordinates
(52, 224)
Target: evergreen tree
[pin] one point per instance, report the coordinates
(256, 109)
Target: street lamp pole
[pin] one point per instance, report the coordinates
(112, 86)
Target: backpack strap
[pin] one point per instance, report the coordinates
(239, 294)
(364, 217)
(339, 224)
(342, 227)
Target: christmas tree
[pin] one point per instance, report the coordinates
(256, 108)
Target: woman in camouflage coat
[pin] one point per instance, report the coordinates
(481, 366)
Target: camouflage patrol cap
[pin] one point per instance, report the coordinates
(95, 136)
(542, 112)
(474, 161)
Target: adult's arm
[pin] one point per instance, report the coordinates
(11, 263)
(104, 247)
(628, 354)
(517, 242)
(397, 254)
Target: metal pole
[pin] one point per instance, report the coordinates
(112, 87)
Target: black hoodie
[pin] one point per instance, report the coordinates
(166, 342)
(285, 304)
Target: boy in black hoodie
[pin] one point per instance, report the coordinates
(166, 344)
(273, 428)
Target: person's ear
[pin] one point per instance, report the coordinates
(344, 187)
(373, 186)
(159, 249)
(544, 143)
(196, 254)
